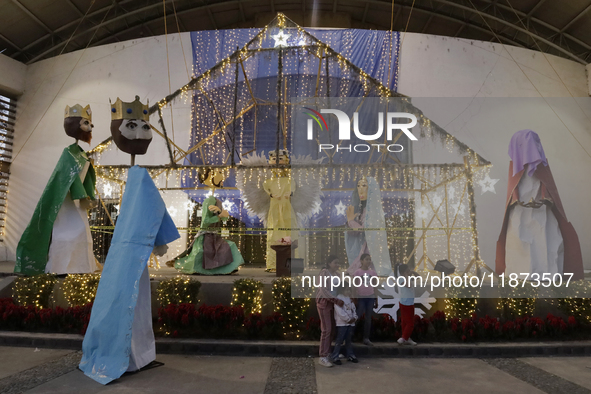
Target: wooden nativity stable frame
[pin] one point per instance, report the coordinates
(472, 161)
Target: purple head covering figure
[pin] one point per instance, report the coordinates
(525, 148)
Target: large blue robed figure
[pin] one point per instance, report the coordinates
(119, 337)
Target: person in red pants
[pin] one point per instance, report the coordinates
(407, 305)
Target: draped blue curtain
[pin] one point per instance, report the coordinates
(256, 130)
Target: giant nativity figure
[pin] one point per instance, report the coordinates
(120, 337)
(210, 254)
(277, 194)
(366, 211)
(536, 237)
(58, 239)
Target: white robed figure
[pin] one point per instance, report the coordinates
(536, 237)
(366, 211)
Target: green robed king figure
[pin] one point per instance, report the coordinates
(57, 239)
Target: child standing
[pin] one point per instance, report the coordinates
(345, 318)
(325, 302)
(407, 306)
(366, 297)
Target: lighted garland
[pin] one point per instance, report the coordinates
(461, 302)
(80, 289)
(248, 293)
(517, 301)
(34, 290)
(292, 309)
(575, 305)
(179, 290)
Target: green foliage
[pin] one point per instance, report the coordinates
(178, 291)
(248, 293)
(293, 309)
(34, 290)
(517, 301)
(80, 289)
(579, 303)
(460, 302)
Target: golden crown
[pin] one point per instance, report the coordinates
(282, 152)
(133, 110)
(77, 110)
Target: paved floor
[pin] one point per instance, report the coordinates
(18, 359)
(54, 371)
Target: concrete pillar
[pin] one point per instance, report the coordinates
(12, 76)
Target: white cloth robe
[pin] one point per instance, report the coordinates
(534, 241)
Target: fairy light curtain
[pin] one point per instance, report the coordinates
(367, 49)
(306, 71)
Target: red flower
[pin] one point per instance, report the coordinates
(185, 319)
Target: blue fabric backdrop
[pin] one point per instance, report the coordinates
(257, 130)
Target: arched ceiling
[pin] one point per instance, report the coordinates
(32, 30)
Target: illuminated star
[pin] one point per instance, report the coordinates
(227, 205)
(172, 211)
(280, 39)
(107, 190)
(316, 209)
(302, 42)
(487, 185)
(340, 208)
(422, 212)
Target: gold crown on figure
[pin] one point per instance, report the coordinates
(77, 110)
(134, 110)
(282, 152)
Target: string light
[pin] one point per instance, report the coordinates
(292, 308)
(248, 293)
(178, 290)
(34, 290)
(80, 289)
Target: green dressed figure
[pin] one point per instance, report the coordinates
(57, 239)
(210, 254)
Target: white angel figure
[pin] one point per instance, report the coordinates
(279, 195)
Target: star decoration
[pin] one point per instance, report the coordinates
(340, 208)
(107, 190)
(172, 211)
(280, 39)
(227, 205)
(316, 209)
(302, 42)
(436, 200)
(458, 209)
(422, 212)
(487, 184)
(190, 205)
(451, 192)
